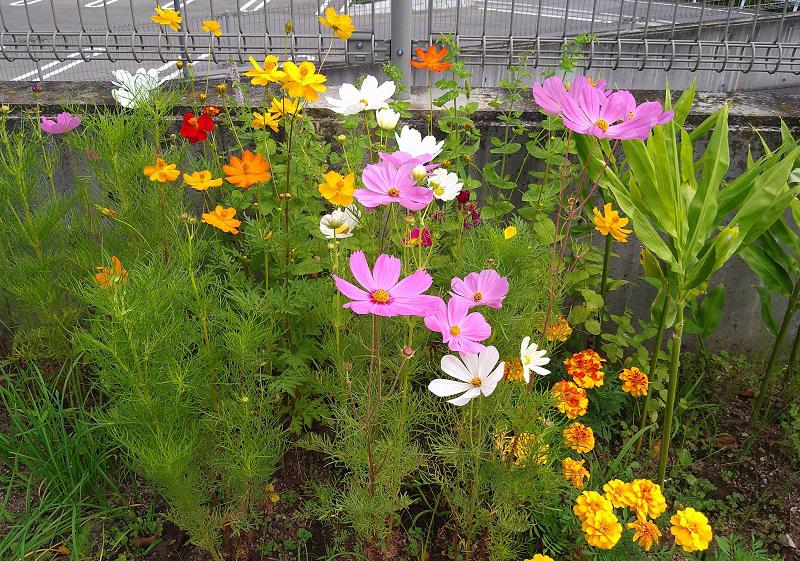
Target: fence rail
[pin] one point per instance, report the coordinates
(79, 39)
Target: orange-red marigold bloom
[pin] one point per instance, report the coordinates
(570, 399)
(634, 382)
(586, 369)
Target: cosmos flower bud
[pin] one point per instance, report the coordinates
(341, 138)
(387, 118)
(179, 64)
(419, 172)
(222, 89)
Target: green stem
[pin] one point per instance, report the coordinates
(603, 289)
(662, 322)
(674, 364)
(773, 356)
(790, 367)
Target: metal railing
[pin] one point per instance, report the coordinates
(83, 39)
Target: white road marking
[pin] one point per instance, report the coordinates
(248, 6)
(322, 6)
(99, 3)
(171, 5)
(555, 13)
(24, 3)
(69, 65)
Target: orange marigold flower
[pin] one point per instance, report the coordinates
(574, 472)
(635, 382)
(247, 170)
(110, 276)
(579, 437)
(540, 557)
(590, 502)
(647, 499)
(512, 370)
(223, 218)
(585, 368)
(619, 493)
(645, 533)
(609, 222)
(602, 529)
(337, 189)
(212, 110)
(570, 399)
(431, 59)
(559, 331)
(691, 530)
(162, 171)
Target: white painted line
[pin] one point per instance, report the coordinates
(67, 67)
(171, 5)
(98, 51)
(248, 6)
(322, 7)
(24, 3)
(99, 3)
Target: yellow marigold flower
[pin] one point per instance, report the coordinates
(585, 368)
(559, 331)
(168, 17)
(590, 502)
(509, 232)
(268, 74)
(602, 529)
(540, 557)
(512, 370)
(648, 501)
(201, 180)
(212, 26)
(284, 106)
(609, 222)
(223, 218)
(570, 399)
(645, 533)
(691, 530)
(574, 472)
(110, 276)
(619, 493)
(338, 190)
(162, 171)
(303, 80)
(341, 24)
(635, 382)
(262, 120)
(579, 437)
(519, 447)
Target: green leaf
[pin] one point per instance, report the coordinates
(771, 273)
(765, 295)
(578, 315)
(592, 326)
(709, 312)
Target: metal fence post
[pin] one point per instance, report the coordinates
(401, 41)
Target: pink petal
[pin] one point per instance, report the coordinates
(350, 290)
(386, 271)
(414, 284)
(475, 327)
(360, 270)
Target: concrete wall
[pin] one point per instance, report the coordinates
(741, 329)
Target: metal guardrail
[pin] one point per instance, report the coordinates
(79, 39)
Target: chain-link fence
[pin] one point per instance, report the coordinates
(86, 39)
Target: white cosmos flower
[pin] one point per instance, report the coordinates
(411, 142)
(134, 89)
(387, 118)
(474, 374)
(370, 95)
(444, 184)
(532, 358)
(338, 224)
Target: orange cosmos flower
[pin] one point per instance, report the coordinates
(223, 218)
(247, 170)
(570, 399)
(579, 437)
(201, 180)
(645, 533)
(162, 171)
(574, 472)
(110, 276)
(431, 59)
(585, 368)
(609, 222)
(635, 382)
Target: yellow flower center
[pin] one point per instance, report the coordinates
(380, 296)
(393, 192)
(193, 121)
(527, 360)
(340, 185)
(602, 124)
(245, 167)
(363, 102)
(476, 382)
(303, 71)
(343, 229)
(631, 115)
(438, 190)
(477, 296)
(455, 330)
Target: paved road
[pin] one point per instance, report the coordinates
(256, 18)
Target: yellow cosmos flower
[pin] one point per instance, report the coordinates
(270, 73)
(162, 171)
(212, 26)
(559, 331)
(303, 80)
(648, 500)
(509, 232)
(579, 437)
(590, 502)
(635, 382)
(262, 120)
(645, 533)
(168, 17)
(691, 530)
(602, 529)
(609, 222)
(223, 218)
(341, 24)
(338, 190)
(201, 180)
(574, 472)
(284, 106)
(619, 493)
(540, 557)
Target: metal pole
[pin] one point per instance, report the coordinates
(401, 41)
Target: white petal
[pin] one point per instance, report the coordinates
(487, 360)
(470, 360)
(457, 369)
(465, 398)
(490, 382)
(523, 348)
(541, 371)
(444, 388)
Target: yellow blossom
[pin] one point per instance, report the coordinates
(284, 106)
(691, 530)
(303, 81)
(266, 119)
(648, 501)
(509, 232)
(341, 24)
(619, 493)
(602, 529)
(212, 26)
(540, 557)
(574, 472)
(338, 190)
(645, 533)
(579, 437)
(634, 382)
(162, 171)
(223, 218)
(610, 222)
(201, 180)
(590, 502)
(268, 74)
(559, 331)
(168, 17)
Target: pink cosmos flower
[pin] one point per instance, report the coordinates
(550, 94)
(383, 295)
(386, 184)
(63, 123)
(422, 238)
(398, 159)
(486, 288)
(460, 329)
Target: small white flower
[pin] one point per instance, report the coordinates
(338, 224)
(354, 100)
(134, 89)
(387, 118)
(532, 358)
(411, 142)
(474, 374)
(444, 184)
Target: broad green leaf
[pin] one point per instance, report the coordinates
(709, 312)
(765, 296)
(683, 105)
(770, 273)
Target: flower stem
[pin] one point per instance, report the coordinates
(603, 290)
(662, 321)
(672, 390)
(790, 368)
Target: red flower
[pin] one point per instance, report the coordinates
(196, 129)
